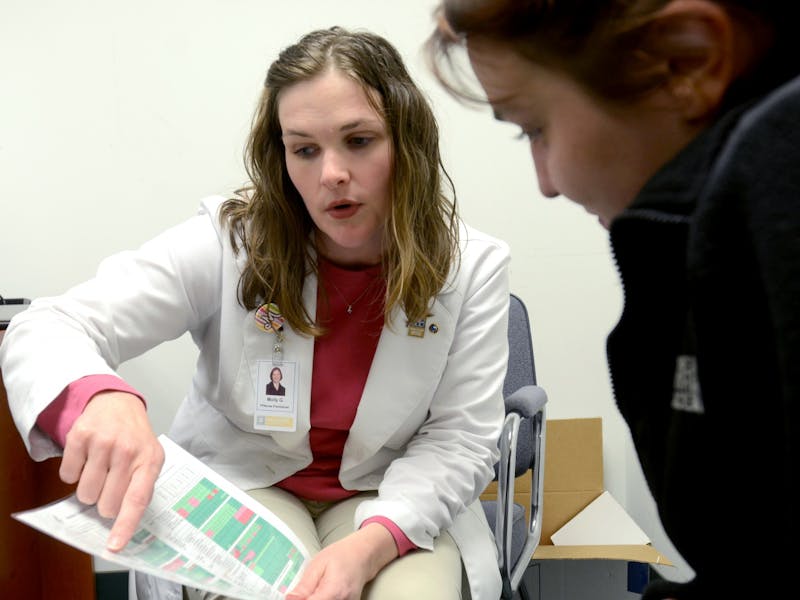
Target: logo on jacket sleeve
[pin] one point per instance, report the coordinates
(686, 394)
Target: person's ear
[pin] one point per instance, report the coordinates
(695, 41)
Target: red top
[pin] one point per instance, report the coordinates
(342, 359)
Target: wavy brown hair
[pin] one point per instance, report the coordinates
(268, 219)
(604, 45)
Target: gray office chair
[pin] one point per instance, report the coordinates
(522, 446)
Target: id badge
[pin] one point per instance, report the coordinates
(276, 396)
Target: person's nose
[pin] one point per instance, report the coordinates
(334, 170)
(546, 186)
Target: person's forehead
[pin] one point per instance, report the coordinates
(501, 70)
(509, 81)
(331, 99)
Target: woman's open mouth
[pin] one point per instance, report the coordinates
(342, 209)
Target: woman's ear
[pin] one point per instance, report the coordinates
(694, 39)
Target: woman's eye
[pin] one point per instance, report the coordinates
(304, 151)
(359, 141)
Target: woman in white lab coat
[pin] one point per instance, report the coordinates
(342, 261)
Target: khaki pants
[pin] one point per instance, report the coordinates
(419, 575)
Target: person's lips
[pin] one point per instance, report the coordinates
(342, 209)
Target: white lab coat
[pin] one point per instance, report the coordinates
(425, 434)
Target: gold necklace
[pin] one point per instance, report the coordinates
(349, 304)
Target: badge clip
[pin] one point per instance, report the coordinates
(270, 320)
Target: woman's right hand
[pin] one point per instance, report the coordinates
(341, 569)
(114, 455)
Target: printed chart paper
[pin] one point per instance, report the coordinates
(199, 530)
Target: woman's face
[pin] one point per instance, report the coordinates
(339, 157)
(596, 154)
(276, 377)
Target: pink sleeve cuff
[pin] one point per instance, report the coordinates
(56, 420)
(404, 545)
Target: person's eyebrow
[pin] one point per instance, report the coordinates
(346, 127)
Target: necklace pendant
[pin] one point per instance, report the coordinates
(349, 309)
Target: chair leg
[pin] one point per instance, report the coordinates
(522, 590)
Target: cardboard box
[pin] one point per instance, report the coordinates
(574, 497)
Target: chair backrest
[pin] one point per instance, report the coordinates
(521, 372)
(521, 368)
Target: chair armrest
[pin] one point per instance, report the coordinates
(526, 401)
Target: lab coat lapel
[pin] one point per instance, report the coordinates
(404, 375)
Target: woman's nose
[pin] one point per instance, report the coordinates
(546, 186)
(334, 170)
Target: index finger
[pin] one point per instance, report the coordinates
(134, 503)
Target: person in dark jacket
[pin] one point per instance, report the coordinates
(677, 123)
